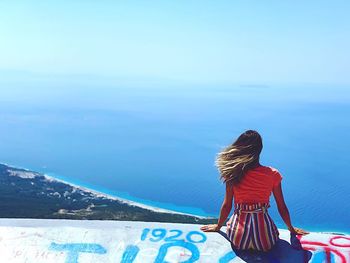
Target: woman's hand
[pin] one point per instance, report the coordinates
(297, 231)
(211, 228)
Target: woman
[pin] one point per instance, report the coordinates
(250, 184)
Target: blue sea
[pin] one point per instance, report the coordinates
(156, 143)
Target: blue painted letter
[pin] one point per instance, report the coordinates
(227, 258)
(73, 250)
(130, 254)
(164, 249)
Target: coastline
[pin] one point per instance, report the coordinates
(98, 193)
(156, 209)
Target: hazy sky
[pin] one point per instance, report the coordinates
(193, 41)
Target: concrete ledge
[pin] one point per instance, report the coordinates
(70, 241)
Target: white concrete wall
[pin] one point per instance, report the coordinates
(26, 240)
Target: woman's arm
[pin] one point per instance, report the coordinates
(283, 210)
(224, 212)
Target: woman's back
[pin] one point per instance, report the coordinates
(250, 185)
(256, 185)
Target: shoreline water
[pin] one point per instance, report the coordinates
(146, 204)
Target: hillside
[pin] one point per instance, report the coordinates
(28, 194)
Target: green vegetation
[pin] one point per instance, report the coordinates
(26, 194)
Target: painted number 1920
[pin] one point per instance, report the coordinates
(158, 234)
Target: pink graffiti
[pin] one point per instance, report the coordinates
(332, 247)
(331, 241)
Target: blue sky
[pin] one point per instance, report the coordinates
(180, 40)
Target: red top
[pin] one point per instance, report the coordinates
(256, 185)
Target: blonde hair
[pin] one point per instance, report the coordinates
(236, 159)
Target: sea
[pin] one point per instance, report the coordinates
(155, 142)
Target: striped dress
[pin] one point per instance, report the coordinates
(251, 227)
